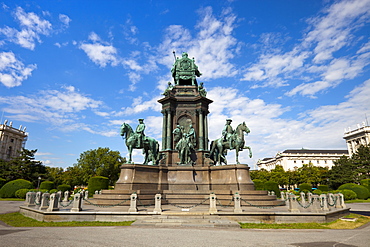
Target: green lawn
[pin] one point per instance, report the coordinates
(338, 224)
(18, 220)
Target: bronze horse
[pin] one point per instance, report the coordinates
(219, 147)
(149, 145)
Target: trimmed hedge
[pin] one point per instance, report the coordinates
(64, 187)
(258, 184)
(273, 186)
(366, 183)
(361, 191)
(21, 193)
(347, 194)
(9, 189)
(47, 185)
(97, 183)
(323, 187)
(2, 182)
(305, 186)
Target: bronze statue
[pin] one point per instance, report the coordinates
(168, 90)
(202, 90)
(137, 140)
(235, 140)
(184, 71)
(177, 133)
(184, 147)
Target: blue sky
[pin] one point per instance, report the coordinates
(297, 72)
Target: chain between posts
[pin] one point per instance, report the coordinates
(68, 204)
(193, 206)
(106, 206)
(263, 207)
(228, 205)
(141, 204)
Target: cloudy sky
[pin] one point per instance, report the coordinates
(297, 72)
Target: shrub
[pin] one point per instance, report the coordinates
(47, 185)
(97, 183)
(366, 183)
(323, 187)
(317, 192)
(53, 191)
(21, 193)
(347, 194)
(258, 184)
(272, 186)
(2, 182)
(64, 187)
(9, 189)
(305, 186)
(361, 191)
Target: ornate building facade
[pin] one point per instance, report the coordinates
(12, 140)
(292, 159)
(357, 137)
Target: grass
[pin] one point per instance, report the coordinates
(18, 220)
(11, 199)
(337, 224)
(358, 201)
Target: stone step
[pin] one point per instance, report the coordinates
(187, 222)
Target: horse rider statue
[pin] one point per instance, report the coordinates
(228, 133)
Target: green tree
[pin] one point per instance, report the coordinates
(311, 174)
(55, 174)
(23, 166)
(279, 176)
(361, 160)
(262, 174)
(100, 162)
(343, 171)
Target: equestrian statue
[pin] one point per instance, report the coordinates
(138, 140)
(230, 140)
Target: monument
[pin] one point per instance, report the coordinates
(187, 168)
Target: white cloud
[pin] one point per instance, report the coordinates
(64, 19)
(12, 71)
(316, 61)
(32, 26)
(51, 106)
(100, 53)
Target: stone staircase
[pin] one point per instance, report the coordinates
(206, 221)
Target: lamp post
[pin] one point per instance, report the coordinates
(38, 184)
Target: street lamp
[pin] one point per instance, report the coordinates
(38, 184)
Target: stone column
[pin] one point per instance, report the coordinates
(340, 200)
(54, 201)
(158, 204)
(293, 204)
(133, 207)
(324, 202)
(303, 197)
(66, 196)
(77, 202)
(30, 199)
(169, 130)
(206, 133)
(86, 195)
(38, 198)
(44, 201)
(330, 200)
(315, 206)
(212, 203)
(60, 195)
(164, 130)
(309, 197)
(237, 207)
(201, 131)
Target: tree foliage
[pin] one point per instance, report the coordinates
(23, 166)
(99, 162)
(351, 170)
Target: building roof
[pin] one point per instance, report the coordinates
(312, 151)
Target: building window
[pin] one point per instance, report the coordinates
(325, 162)
(11, 140)
(295, 162)
(318, 162)
(302, 161)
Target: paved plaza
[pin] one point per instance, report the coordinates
(150, 236)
